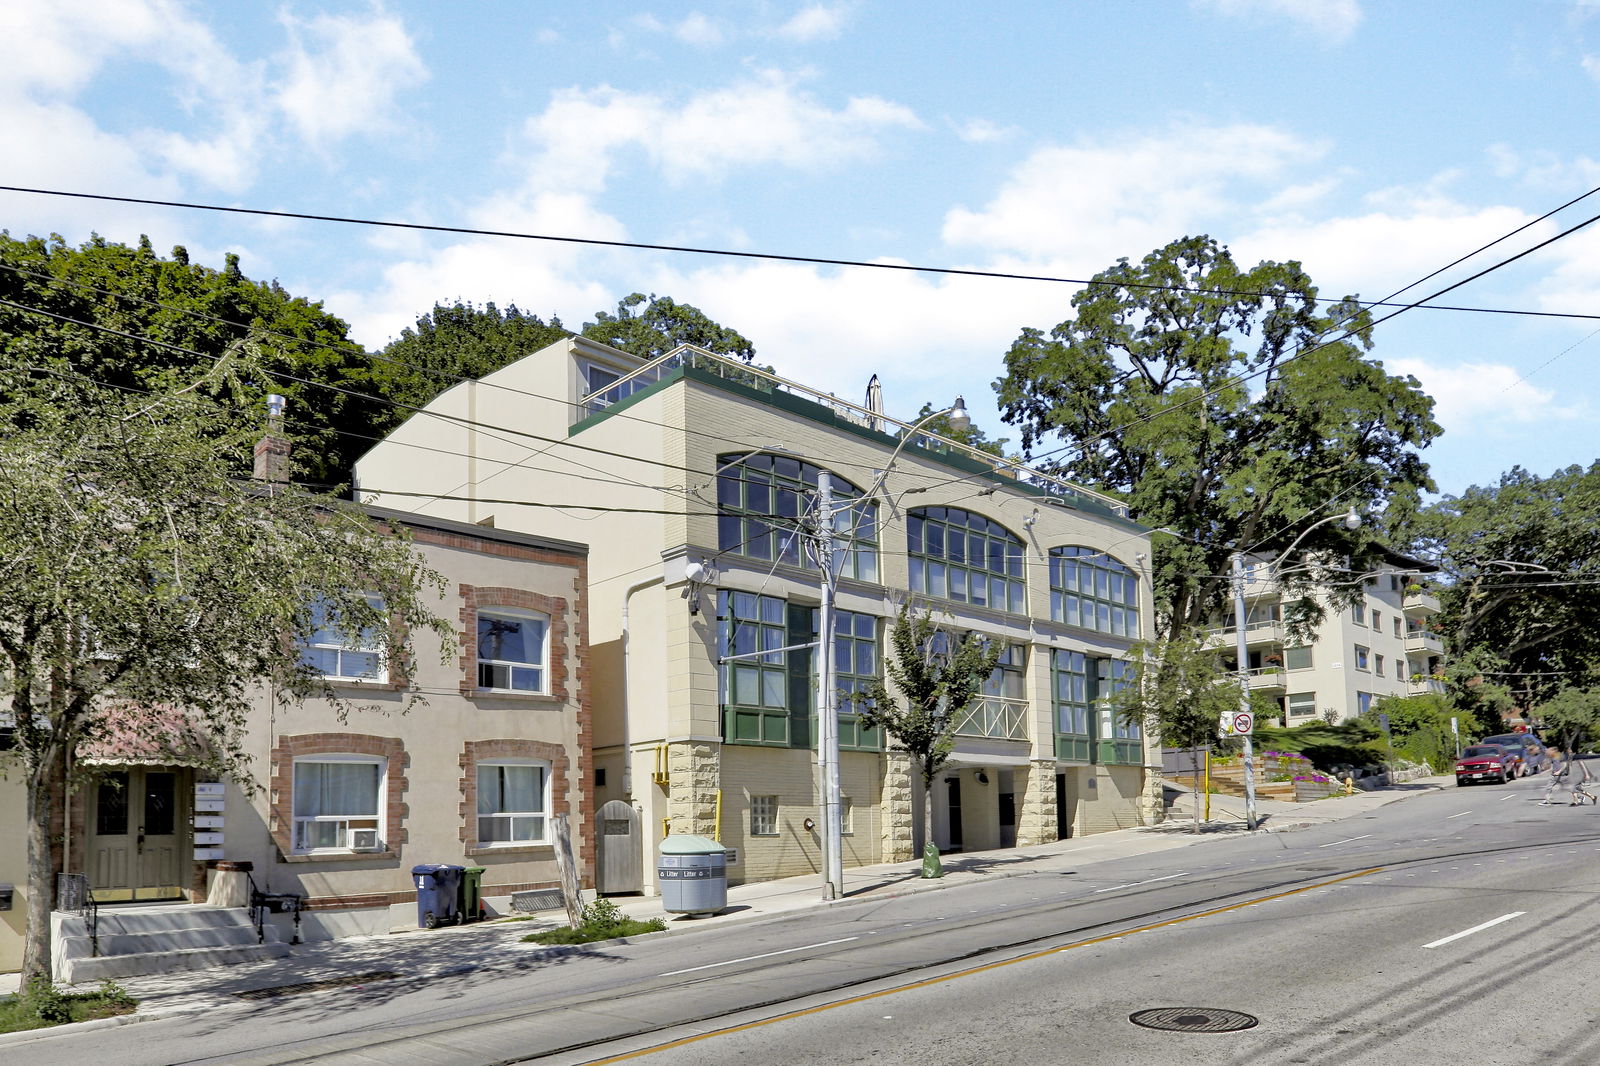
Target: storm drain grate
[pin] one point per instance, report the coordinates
(1194, 1019)
(316, 986)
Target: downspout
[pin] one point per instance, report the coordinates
(627, 703)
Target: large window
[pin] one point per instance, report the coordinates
(334, 652)
(1301, 704)
(762, 503)
(1297, 657)
(855, 668)
(337, 800)
(1113, 675)
(512, 801)
(1072, 693)
(511, 650)
(757, 682)
(1089, 588)
(959, 555)
(1007, 678)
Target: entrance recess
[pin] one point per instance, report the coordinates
(138, 834)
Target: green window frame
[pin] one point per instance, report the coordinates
(856, 667)
(763, 499)
(963, 556)
(755, 690)
(1089, 588)
(1074, 714)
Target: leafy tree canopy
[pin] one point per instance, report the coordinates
(213, 314)
(1519, 564)
(661, 326)
(1572, 718)
(460, 340)
(1144, 387)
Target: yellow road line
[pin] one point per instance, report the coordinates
(930, 981)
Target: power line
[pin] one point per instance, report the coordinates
(470, 231)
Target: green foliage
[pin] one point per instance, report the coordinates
(459, 340)
(42, 1005)
(1572, 718)
(46, 1002)
(662, 326)
(971, 435)
(1353, 743)
(1520, 560)
(1420, 728)
(1179, 691)
(601, 920)
(1144, 386)
(115, 995)
(221, 316)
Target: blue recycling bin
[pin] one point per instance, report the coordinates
(436, 893)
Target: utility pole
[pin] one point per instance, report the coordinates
(1241, 644)
(827, 716)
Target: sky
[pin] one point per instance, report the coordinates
(1372, 143)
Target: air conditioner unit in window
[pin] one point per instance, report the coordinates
(364, 840)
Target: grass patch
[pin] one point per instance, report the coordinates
(43, 1005)
(602, 920)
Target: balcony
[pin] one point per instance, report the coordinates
(1420, 604)
(1268, 679)
(1423, 683)
(1422, 642)
(994, 717)
(1256, 634)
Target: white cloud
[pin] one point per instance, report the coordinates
(346, 80)
(762, 121)
(698, 30)
(982, 131)
(1483, 398)
(1335, 20)
(815, 23)
(1591, 66)
(1088, 204)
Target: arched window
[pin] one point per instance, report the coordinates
(1088, 588)
(763, 502)
(960, 555)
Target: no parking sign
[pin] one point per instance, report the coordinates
(1238, 723)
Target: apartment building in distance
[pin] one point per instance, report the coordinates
(1382, 645)
(693, 479)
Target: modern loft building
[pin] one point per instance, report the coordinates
(1382, 645)
(693, 479)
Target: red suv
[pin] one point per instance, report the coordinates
(1486, 762)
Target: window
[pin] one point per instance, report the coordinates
(1377, 665)
(511, 650)
(1377, 621)
(1301, 704)
(1007, 677)
(1363, 658)
(1072, 692)
(962, 556)
(1359, 612)
(855, 669)
(512, 801)
(1297, 657)
(333, 652)
(1400, 669)
(335, 797)
(763, 499)
(1397, 626)
(763, 816)
(1363, 702)
(749, 623)
(1089, 588)
(1113, 675)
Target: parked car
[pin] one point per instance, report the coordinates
(1534, 757)
(1486, 762)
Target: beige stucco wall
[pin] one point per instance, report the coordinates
(13, 860)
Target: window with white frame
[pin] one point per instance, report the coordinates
(1359, 613)
(1377, 620)
(338, 803)
(513, 802)
(1397, 621)
(335, 649)
(1377, 665)
(1363, 702)
(764, 816)
(512, 648)
(1400, 669)
(1301, 704)
(1363, 658)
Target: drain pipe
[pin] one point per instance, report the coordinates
(627, 702)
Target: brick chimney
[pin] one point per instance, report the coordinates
(272, 450)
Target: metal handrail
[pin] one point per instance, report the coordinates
(689, 355)
(263, 902)
(74, 894)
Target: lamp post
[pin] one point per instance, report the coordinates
(832, 807)
(1351, 520)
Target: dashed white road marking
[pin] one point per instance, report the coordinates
(1135, 884)
(1476, 929)
(767, 955)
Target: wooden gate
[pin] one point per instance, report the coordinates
(621, 865)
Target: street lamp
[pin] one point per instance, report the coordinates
(1351, 520)
(827, 715)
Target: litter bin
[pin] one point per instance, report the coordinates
(436, 893)
(693, 874)
(469, 899)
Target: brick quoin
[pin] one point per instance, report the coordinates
(281, 787)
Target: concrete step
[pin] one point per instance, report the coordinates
(96, 969)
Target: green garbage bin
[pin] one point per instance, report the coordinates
(469, 903)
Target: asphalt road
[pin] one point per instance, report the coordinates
(1364, 940)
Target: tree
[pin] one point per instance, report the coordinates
(1146, 387)
(1420, 727)
(1519, 562)
(1178, 690)
(196, 317)
(460, 340)
(938, 676)
(1573, 715)
(145, 584)
(662, 326)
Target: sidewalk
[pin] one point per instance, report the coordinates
(497, 945)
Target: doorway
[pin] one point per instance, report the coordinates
(137, 833)
(953, 783)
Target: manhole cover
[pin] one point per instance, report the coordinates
(1193, 1019)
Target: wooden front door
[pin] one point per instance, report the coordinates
(138, 832)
